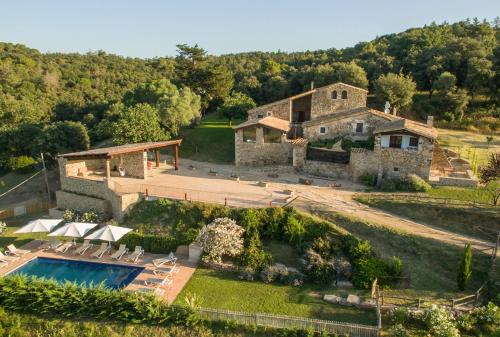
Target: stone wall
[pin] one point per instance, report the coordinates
(84, 186)
(279, 109)
(323, 104)
(135, 164)
(326, 169)
(260, 153)
(362, 162)
(299, 157)
(66, 200)
(344, 127)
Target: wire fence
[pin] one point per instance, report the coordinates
(287, 322)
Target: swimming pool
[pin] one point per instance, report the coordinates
(82, 272)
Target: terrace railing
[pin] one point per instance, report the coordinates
(288, 322)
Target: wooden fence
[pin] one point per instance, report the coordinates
(287, 322)
(26, 208)
(327, 155)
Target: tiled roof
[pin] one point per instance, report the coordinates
(270, 122)
(409, 125)
(300, 142)
(107, 152)
(351, 112)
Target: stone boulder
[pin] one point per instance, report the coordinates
(332, 299)
(353, 299)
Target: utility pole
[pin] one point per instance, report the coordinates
(46, 178)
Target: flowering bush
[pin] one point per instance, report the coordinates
(222, 237)
(70, 215)
(399, 315)
(488, 314)
(466, 322)
(440, 322)
(398, 331)
(3, 227)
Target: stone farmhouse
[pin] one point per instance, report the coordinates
(287, 132)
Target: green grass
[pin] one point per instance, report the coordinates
(11, 179)
(13, 224)
(224, 291)
(478, 222)
(431, 265)
(283, 253)
(478, 195)
(469, 144)
(211, 141)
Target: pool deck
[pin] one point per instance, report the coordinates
(186, 268)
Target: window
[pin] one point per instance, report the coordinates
(322, 130)
(359, 127)
(272, 136)
(250, 135)
(413, 142)
(260, 116)
(396, 169)
(395, 142)
(269, 113)
(344, 94)
(334, 94)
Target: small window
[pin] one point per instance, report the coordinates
(322, 130)
(260, 116)
(396, 169)
(272, 136)
(344, 94)
(413, 141)
(334, 94)
(250, 135)
(269, 113)
(395, 142)
(359, 127)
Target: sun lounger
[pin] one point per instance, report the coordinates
(50, 245)
(169, 259)
(3, 264)
(159, 282)
(166, 270)
(102, 250)
(7, 258)
(64, 247)
(135, 255)
(12, 250)
(83, 247)
(156, 291)
(120, 252)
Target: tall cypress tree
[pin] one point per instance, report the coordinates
(465, 272)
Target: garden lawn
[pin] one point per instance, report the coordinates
(478, 222)
(222, 290)
(469, 144)
(13, 224)
(478, 195)
(431, 265)
(211, 141)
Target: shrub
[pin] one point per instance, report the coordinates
(440, 322)
(464, 271)
(366, 270)
(222, 237)
(22, 164)
(3, 227)
(38, 296)
(151, 243)
(369, 179)
(417, 184)
(466, 322)
(398, 315)
(293, 230)
(489, 314)
(273, 273)
(253, 255)
(71, 215)
(398, 331)
(317, 269)
(411, 183)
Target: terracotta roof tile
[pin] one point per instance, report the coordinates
(270, 122)
(409, 125)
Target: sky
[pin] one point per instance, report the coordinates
(152, 28)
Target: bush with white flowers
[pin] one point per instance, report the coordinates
(3, 227)
(440, 322)
(222, 237)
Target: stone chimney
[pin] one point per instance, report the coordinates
(312, 85)
(430, 121)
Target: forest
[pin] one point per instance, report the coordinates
(55, 102)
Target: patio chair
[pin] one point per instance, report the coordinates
(12, 250)
(102, 250)
(159, 282)
(86, 245)
(7, 258)
(120, 252)
(161, 261)
(156, 291)
(64, 247)
(166, 270)
(135, 255)
(50, 245)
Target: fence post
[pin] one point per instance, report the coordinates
(147, 194)
(418, 305)
(185, 196)
(453, 303)
(225, 201)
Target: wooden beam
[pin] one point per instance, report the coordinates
(157, 157)
(176, 157)
(108, 170)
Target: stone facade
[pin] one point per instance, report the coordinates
(362, 162)
(323, 103)
(325, 169)
(68, 200)
(344, 127)
(260, 152)
(299, 156)
(280, 109)
(134, 164)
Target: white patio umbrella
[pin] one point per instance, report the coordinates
(74, 229)
(109, 233)
(39, 226)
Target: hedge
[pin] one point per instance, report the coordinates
(32, 295)
(151, 243)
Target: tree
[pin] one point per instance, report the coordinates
(489, 175)
(176, 108)
(62, 137)
(350, 73)
(222, 237)
(479, 74)
(446, 82)
(465, 269)
(236, 106)
(138, 123)
(398, 89)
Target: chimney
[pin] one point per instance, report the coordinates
(312, 85)
(430, 121)
(394, 111)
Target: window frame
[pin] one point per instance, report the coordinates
(334, 94)
(250, 139)
(409, 142)
(322, 130)
(391, 143)
(343, 95)
(358, 124)
(267, 131)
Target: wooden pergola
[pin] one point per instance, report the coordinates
(106, 153)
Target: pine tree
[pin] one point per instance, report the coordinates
(465, 272)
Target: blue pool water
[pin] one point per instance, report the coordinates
(82, 272)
